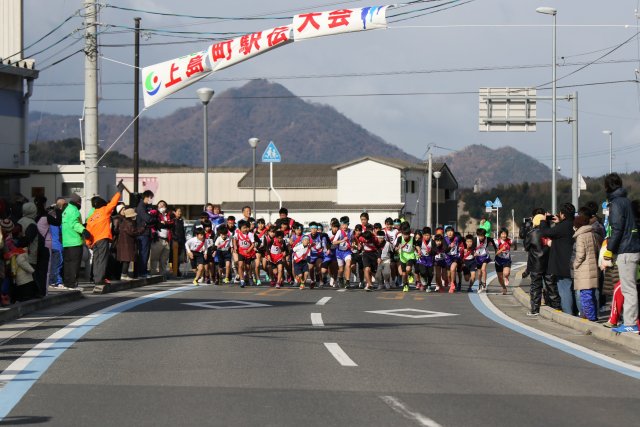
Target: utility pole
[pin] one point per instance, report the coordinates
(90, 101)
(136, 106)
(430, 190)
(575, 182)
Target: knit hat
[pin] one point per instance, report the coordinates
(75, 198)
(538, 219)
(120, 209)
(6, 225)
(130, 213)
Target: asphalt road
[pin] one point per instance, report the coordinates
(292, 362)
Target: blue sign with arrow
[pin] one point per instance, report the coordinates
(271, 154)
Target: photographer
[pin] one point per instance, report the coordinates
(561, 235)
(144, 219)
(525, 228)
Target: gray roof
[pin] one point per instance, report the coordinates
(393, 162)
(292, 176)
(314, 206)
(186, 169)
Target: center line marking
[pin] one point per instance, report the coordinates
(323, 300)
(403, 410)
(339, 354)
(316, 319)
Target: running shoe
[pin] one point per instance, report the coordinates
(452, 288)
(272, 283)
(405, 288)
(608, 325)
(532, 314)
(470, 289)
(278, 285)
(226, 280)
(195, 282)
(208, 281)
(411, 279)
(625, 328)
(242, 283)
(258, 282)
(368, 288)
(301, 286)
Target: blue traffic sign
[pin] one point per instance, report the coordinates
(488, 204)
(497, 203)
(271, 154)
(605, 204)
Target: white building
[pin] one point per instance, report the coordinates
(382, 187)
(16, 86)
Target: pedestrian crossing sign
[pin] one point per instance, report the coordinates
(271, 154)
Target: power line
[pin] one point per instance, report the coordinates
(366, 74)
(354, 95)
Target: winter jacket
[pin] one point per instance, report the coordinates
(624, 237)
(29, 237)
(561, 236)
(144, 219)
(24, 270)
(72, 227)
(537, 253)
(126, 242)
(99, 224)
(585, 265)
(55, 220)
(43, 229)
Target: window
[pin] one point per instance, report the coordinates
(410, 186)
(72, 187)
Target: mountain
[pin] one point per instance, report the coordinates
(304, 132)
(479, 164)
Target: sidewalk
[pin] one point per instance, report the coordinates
(57, 297)
(520, 290)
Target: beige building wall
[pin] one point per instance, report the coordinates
(369, 182)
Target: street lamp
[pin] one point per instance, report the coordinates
(552, 11)
(205, 94)
(437, 175)
(610, 133)
(253, 142)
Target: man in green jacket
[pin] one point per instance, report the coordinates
(72, 241)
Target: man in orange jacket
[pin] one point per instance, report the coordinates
(99, 227)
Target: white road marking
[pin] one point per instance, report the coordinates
(339, 354)
(403, 410)
(323, 300)
(342, 290)
(419, 314)
(226, 304)
(316, 319)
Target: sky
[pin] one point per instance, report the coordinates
(412, 84)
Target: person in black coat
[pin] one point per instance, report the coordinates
(559, 267)
(537, 262)
(624, 244)
(144, 219)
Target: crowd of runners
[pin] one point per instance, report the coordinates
(367, 256)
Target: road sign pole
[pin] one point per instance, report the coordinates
(271, 184)
(497, 223)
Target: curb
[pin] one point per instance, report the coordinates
(584, 326)
(122, 285)
(20, 309)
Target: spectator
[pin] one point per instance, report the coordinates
(4, 289)
(585, 267)
(179, 238)
(41, 275)
(114, 268)
(29, 236)
(22, 270)
(144, 219)
(537, 261)
(54, 217)
(72, 233)
(559, 266)
(99, 228)
(160, 247)
(624, 245)
(126, 241)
